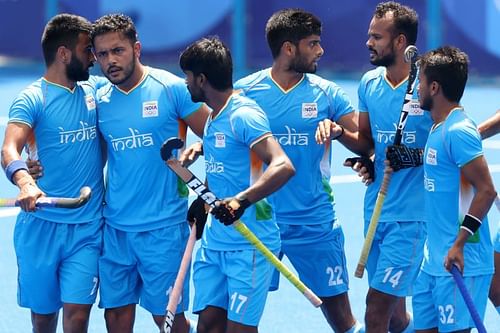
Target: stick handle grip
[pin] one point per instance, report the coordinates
(372, 227)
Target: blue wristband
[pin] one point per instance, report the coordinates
(14, 167)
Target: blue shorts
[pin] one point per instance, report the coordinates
(236, 281)
(141, 267)
(395, 257)
(57, 262)
(437, 302)
(496, 243)
(317, 254)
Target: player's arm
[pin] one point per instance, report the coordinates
(477, 174)
(490, 126)
(279, 170)
(16, 170)
(196, 121)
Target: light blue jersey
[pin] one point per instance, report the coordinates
(227, 141)
(142, 193)
(65, 141)
(383, 102)
(306, 198)
(451, 145)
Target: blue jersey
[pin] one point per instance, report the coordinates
(383, 103)
(142, 192)
(65, 141)
(306, 198)
(227, 141)
(451, 145)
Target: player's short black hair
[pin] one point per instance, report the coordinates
(448, 66)
(211, 57)
(291, 25)
(62, 30)
(405, 19)
(115, 23)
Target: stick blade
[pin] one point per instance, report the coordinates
(168, 146)
(411, 53)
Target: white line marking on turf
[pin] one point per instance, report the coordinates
(491, 144)
(8, 212)
(341, 179)
(3, 121)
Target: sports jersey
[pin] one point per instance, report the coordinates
(306, 198)
(65, 141)
(227, 140)
(451, 145)
(383, 103)
(142, 193)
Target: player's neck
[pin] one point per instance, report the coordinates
(217, 100)
(285, 77)
(59, 77)
(441, 109)
(136, 77)
(397, 72)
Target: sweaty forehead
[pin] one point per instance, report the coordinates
(110, 40)
(382, 24)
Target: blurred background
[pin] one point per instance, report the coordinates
(167, 27)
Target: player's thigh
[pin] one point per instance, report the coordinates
(400, 255)
(37, 247)
(317, 253)
(119, 279)
(159, 253)
(210, 282)
(249, 275)
(424, 310)
(78, 269)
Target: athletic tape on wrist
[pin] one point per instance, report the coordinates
(14, 167)
(471, 223)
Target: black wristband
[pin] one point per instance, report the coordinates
(470, 224)
(341, 133)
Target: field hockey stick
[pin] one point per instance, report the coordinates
(459, 280)
(411, 57)
(175, 295)
(54, 202)
(202, 191)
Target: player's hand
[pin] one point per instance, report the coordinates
(328, 130)
(35, 169)
(363, 166)
(402, 157)
(197, 213)
(190, 154)
(29, 194)
(230, 209)
(455, 256)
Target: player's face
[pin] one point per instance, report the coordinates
(82, 59)
(117, 57)
(197, 94)
(307, 55)
(424, 97)
(381, 41)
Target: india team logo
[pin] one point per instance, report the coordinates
(150, 109)
(220, 140)
(431, 157)
(415, 109)
(309, 110)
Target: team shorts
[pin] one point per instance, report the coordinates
(236, 281)
(57, 262)
(437, 302)
(141, 267)
(317, 253)
(395, 257)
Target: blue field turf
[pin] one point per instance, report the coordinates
(286, 310)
